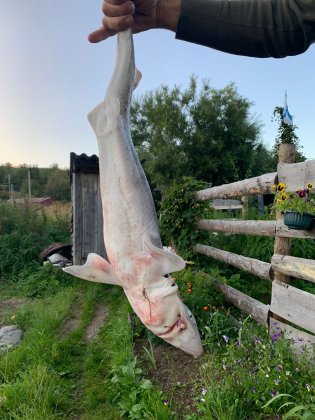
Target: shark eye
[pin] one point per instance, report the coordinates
(167, 276)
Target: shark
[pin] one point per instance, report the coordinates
(137, 260)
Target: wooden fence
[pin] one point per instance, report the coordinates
(290, 307)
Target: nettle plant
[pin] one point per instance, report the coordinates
(300, 201)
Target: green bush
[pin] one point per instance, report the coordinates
(179, 214)
(24, 232)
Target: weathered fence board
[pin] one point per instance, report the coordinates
(226, 204)
(296, 176)
(284, 231)
(258, 185)
(298, 339)
(294, 305)
(245, 227)
(259, 311)
(254, 227)
(258, 268)
(300, 268)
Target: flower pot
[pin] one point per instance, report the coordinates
(296, 220)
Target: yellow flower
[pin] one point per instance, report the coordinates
(284, 196)
(309, 186)
(274, 188)
(278, 201)
(281, 186)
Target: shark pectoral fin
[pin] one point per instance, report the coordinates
(95, 269)
(97, 118)
(167, 262)
(138, 77)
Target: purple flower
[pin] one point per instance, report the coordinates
(301, 193)
(258, 340)
(254, 390)
(273, 393)
(278, 368)
(308, 387)
(226, 338)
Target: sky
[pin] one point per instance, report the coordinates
(51, 77)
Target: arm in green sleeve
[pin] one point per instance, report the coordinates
(255, 28)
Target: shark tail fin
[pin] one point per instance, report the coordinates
(165, 262)
(95, 269)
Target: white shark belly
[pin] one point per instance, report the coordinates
(128, 209)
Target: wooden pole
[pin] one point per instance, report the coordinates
(245, 206)
(283, 245)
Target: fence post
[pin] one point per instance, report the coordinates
(245, 206)
(283, 245)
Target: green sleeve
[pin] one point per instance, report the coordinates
(255, 28)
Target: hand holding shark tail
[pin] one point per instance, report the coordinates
(137, 260)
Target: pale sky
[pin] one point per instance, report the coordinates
(51, 77)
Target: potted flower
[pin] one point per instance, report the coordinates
(298, 207)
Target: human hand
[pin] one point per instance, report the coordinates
(141, 15)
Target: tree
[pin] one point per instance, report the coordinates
(286, 134)
(206, 133)
(58, 185)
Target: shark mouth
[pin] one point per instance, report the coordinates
(178, 326)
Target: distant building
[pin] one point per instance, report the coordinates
(40, 201)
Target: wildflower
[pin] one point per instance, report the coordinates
(203, 390)
(301, 193)
(288, 373)
(226, 338)
(274, 188)
(273, 393)
(281, 186)
(278, 368)
(284, 196)
(202, 400)
(308, 387)
(254, 390)
(205, 308)
(13, 316)
(309, 186)
(189, 290)
(277, 381)
(165, 402)
(237, 343)
(258, 340)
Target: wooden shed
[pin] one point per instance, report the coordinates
(87, 219)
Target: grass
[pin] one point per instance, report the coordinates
(56, 373)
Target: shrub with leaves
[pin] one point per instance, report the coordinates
(179, 214)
